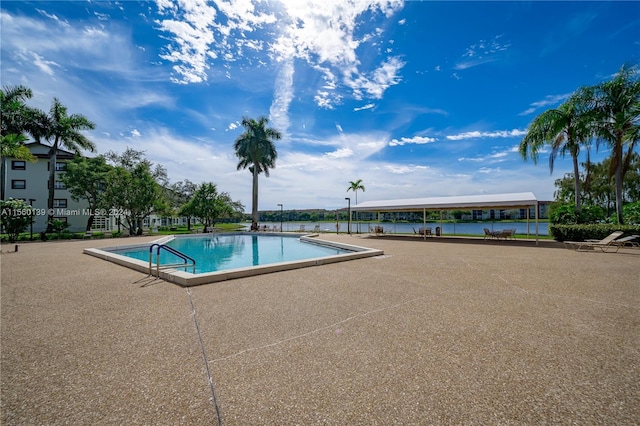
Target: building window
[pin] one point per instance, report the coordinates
(18, 184)
(18, 165)
(60, 166)
(100, 223)
(60, 185)
(60, 203)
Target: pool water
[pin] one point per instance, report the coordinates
(222, 252)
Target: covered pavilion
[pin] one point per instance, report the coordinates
(469, 202)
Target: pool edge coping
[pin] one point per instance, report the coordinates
(186, 279)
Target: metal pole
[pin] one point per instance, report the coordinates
(349, 213)
(281, 212)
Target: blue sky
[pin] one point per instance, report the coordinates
(417, 99)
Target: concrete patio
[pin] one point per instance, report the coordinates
(433, 332)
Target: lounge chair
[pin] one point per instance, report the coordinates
(604, 244)
(627, 241)
(316, 228)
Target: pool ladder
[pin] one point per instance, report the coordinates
(188, 261)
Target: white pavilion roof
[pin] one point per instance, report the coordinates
(522, 199)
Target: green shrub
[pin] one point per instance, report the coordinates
(566, 214)
(589, 231)
(15, 217)
(631, 213)
(116, 234)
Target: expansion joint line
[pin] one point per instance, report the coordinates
(204, 356)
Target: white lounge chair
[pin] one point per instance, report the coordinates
(604, 244)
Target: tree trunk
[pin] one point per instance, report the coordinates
(52, 185)
(576, 182)
(254, 206)
(90, 222)
(3, 170)
(618, 177)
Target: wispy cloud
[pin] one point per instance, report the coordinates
(482, 52)
(282, 96)
(418, 140)
(495, 157)
(547, 101)
(367, 106)
(480, 135)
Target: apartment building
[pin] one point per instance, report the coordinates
(28, 181)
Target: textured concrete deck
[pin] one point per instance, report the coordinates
(432, 332)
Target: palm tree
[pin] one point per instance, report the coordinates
(62, 131)
(14, 123)
(566, 130)
(618, 112)
(256, 150)
(355, 186)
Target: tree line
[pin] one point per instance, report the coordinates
(127, 183)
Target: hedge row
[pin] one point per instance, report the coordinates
(593, 231)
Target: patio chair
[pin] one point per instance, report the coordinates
(490, 234)
(316, 228)
(506, 233)
(604, 244)
(423, 231)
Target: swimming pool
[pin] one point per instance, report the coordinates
(233, 255)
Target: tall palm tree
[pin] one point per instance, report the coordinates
(618, 124)
(256, 150)
(62, 131)
(565, 130)
(355, 187)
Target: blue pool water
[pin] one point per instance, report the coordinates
(229, 251)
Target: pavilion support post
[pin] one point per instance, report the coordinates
(536, 207)
(424, 224)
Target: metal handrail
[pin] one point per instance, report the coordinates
(173, 251)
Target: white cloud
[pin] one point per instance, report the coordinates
(367, 106)
(232, 126)
(339, 128)
(496, 157)
(402, 169)
(340, 153)
(135, 133)
(479, 135)
(43, 65)
(282, 97)
(548, 100)
(414, 140)
(200, 35)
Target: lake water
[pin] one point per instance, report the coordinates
(407, 228)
